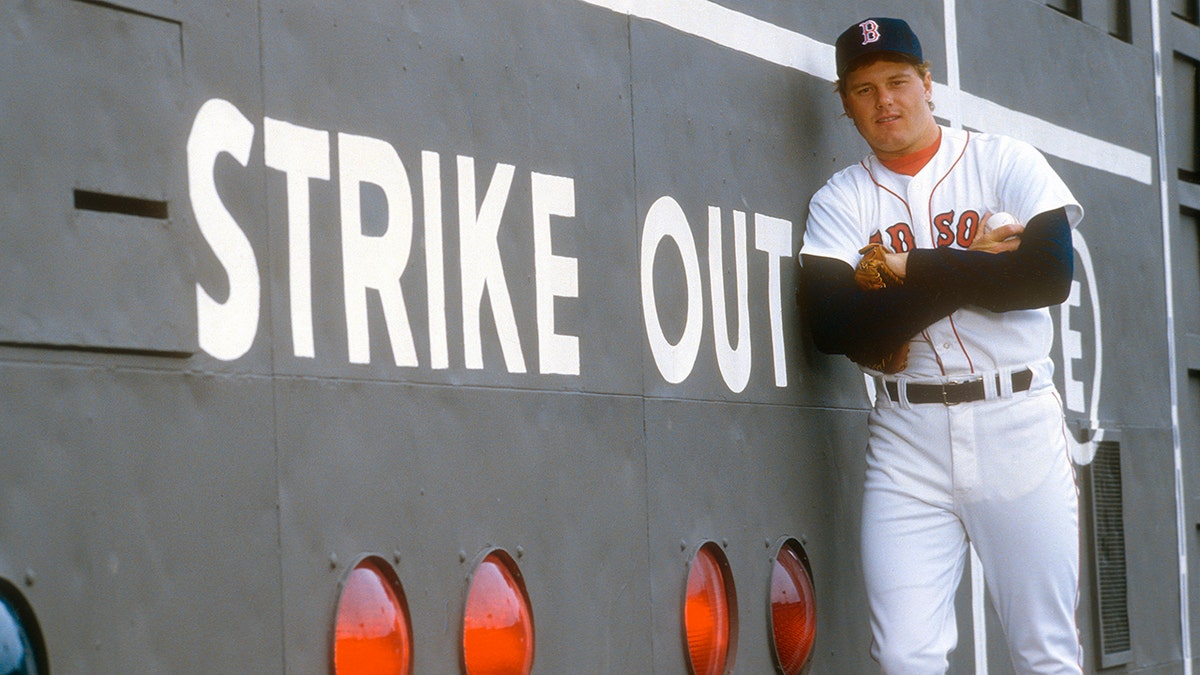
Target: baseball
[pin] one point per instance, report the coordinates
(999, 219)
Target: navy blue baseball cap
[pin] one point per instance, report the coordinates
(876, 35)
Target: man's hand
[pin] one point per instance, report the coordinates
(876, 269)
(998, 240)
(897, 263)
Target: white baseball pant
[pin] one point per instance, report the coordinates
(996, 473)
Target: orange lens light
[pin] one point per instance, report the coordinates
(373, 635)
(708, 612)
(498, 622)
(793, 609)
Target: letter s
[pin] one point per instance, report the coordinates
(226, 330)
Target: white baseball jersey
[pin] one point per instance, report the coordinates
(972, 175)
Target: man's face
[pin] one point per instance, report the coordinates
(889, 103)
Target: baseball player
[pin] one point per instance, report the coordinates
(904, 274)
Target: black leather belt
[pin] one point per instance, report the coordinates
(952, 393)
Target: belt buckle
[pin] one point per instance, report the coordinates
(945, 390)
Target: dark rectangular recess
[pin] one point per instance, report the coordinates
(1120, 20)
(1108, 520)
(1072, 8)
(85, 200)
(1189, 224)
(1110, 16)
(1185, 9)
(1185, 122)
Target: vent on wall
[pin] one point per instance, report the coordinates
(1109, 548)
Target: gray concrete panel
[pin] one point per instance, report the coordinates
(1150, 525)
(537, 89)
(785, 472)
(1034, 59)
(1122, 249)
(699, 110)
(90, 254)
(223, 61)
(138, 513)
(439, 475)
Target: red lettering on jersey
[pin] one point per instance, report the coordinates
(968, 227)
(876, 239)
(944, 222)
(902, 237)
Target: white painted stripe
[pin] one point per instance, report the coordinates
(980, 113)
(775, 44)
(978, 612)
(950, 19)
(1167, 217)
(734, 30)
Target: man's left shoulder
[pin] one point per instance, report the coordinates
(1001, 151)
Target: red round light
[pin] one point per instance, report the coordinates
(709, 613)
(498, 621)
(793, 610)
(373, 635)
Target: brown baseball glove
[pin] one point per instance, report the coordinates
(872, 273)
(888, 364)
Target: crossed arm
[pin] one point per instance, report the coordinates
(997, 273)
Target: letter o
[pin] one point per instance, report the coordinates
(666, 220)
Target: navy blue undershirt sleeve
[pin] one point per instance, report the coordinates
(844, 319)
(1037, 274)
